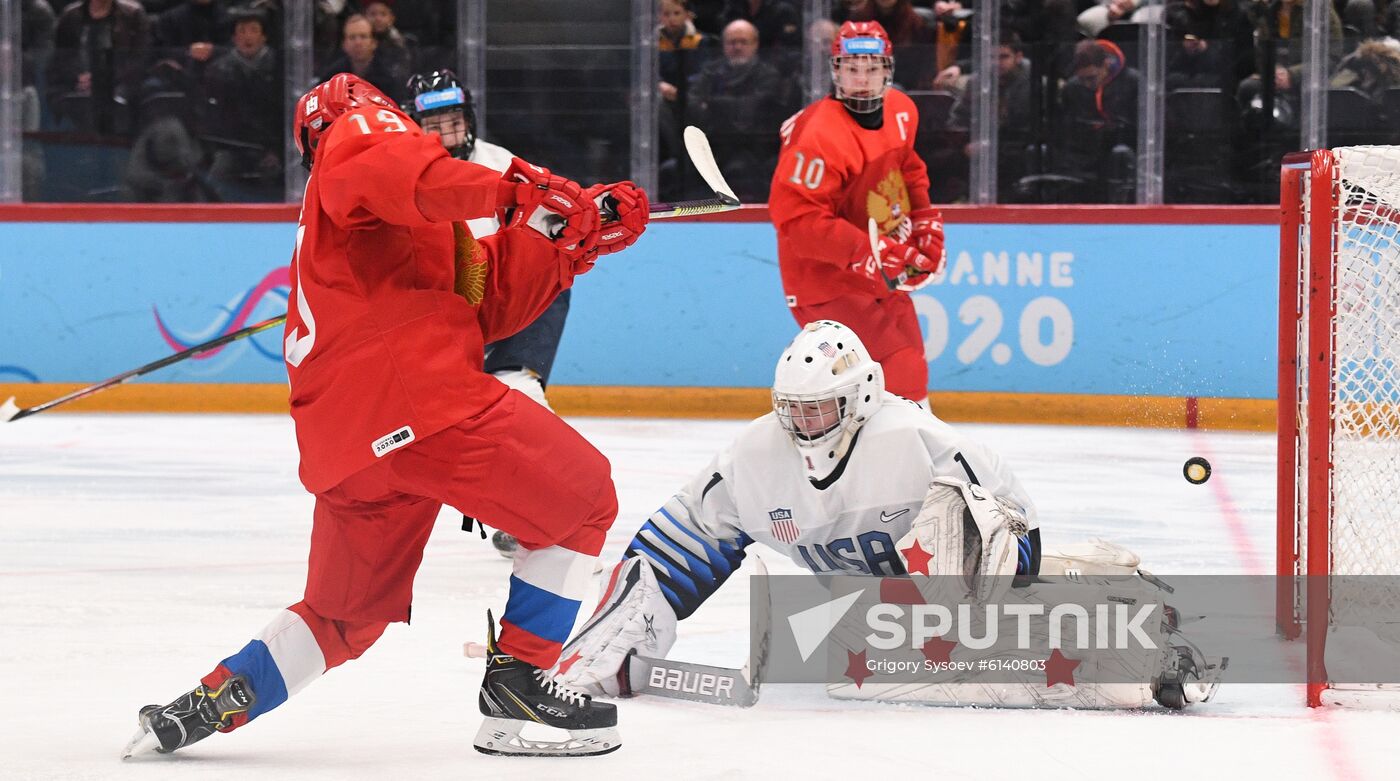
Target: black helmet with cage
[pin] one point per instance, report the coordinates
(442, 105)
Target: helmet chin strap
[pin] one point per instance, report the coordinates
(838, 452)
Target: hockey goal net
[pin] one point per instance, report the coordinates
(1339, 416)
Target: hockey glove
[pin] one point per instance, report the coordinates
(552, 205)
(898, 266)
(625, 211)
(632, 616)
(927, 234)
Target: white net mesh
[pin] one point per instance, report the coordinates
(1366, 379)
(1365, 393)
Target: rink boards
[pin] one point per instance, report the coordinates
(1156, 316)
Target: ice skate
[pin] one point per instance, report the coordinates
(515, 694)
(191, 718)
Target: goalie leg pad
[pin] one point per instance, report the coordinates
(1172, 672)
(969, 534)
(1095, 557)
(633, 615)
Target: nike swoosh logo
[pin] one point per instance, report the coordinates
(887, 517)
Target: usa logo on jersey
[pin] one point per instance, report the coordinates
(782, 526)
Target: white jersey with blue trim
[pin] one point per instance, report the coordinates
(497, 158)
(758, 490)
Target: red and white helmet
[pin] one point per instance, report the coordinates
(861, 39)
(328, 101)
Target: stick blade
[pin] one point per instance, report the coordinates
(697, 145)
(8, 410)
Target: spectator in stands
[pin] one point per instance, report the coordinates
(1372, 69)
(245, 124)
(358, 56)
(164, 166)
(1098, 122)
(1361, 16)
(1013, 89)
(708, 15)
(1279, 50)
(392, 46)
(1212, 44)
(422, 22)
(778, 22)
(100, 52)
(197, 27)
(682, 51)
(740, 101)
(1014, 117)
(1095, 18)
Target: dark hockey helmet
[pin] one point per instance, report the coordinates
(439, 99)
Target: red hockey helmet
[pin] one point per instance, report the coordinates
(854, 41)
(326, 102)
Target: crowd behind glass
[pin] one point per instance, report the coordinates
(185, 100)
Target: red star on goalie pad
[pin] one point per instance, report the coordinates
(1059, 669)
(567, 663)
(939, 651)
(916, 558)
(856, 669)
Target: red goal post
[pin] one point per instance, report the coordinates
(1339, 406)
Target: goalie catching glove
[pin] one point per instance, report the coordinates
(554, 206)
(898, 266)
(965, 535)
(633, 615)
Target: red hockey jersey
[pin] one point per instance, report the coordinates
(832, 176)
(392, 300)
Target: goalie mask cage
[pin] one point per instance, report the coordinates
(1339, 408)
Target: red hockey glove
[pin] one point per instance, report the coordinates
(899, 266)
(625, 211)
(552, 205)
(927, 235)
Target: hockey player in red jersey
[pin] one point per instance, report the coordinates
(391, 304)
(846, 159)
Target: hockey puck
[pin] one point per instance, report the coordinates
(1196, 470)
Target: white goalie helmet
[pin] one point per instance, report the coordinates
(825, 387)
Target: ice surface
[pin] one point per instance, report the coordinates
(136, 551)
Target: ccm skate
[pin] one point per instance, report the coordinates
(516, 694)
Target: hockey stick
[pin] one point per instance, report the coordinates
(701, 682)
(10, 412)
(900, 282)
(697, 146)
(892, 284)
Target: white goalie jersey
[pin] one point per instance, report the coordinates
(757, 490)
